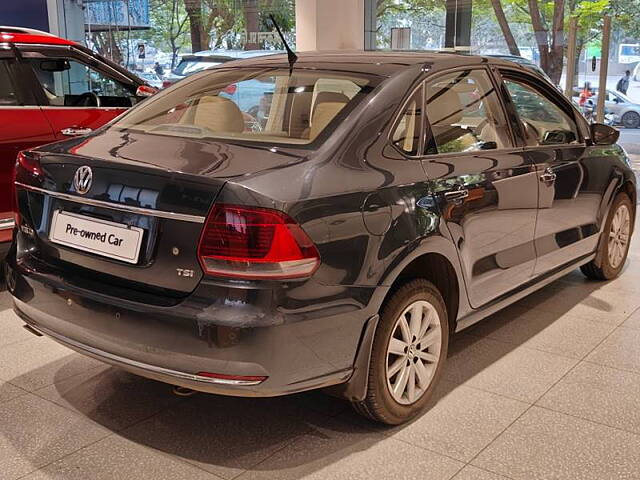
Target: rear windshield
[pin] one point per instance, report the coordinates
(255, 105)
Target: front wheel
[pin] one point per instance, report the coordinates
(614, 248)
(409, 351)
(630, 120)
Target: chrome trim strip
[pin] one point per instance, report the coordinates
(7, 223)
(143, 366)
(116, 206)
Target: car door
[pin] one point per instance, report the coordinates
(23, 126)
(570, 193)
(486, 188)
(78, 93)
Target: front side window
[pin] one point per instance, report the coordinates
(464, 113)
(545, 123)
(406, 134)
(249, 104)
(69, 83)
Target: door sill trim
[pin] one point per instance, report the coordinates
(523, 291)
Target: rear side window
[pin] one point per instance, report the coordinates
(407, 132)
(544, 122)
(248, 104)
(464, 113)
(7, 91)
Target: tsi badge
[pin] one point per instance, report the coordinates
(82, 179)
(184, 272)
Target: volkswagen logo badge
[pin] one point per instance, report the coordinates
(82, 179)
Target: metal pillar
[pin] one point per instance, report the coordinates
(571, 57)
(370, 24)
(458, 25)
(604, 68)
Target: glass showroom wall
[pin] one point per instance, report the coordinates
(535, 30)
(142, 33)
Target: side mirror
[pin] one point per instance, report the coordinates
(602, 134)
(146, 91)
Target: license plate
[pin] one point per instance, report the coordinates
(109, 239)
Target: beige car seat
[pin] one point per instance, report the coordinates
(327, 106)
(218, 114)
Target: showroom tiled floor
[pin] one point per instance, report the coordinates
(547, 389)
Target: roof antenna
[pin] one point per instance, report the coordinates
(291, 56)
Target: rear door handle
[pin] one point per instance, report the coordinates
(456, 196)
(548, 177)
(72, 131)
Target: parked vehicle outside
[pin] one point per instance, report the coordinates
(625, 111)
(151, 78)
(190, 64)
(50, 89)
(380, 207)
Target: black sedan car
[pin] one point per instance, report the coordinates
(385, 202)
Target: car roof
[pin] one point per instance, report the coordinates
(30, 35)
(385, 63)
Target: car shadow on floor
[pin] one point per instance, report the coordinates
(226, 435)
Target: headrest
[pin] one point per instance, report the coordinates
(444, 107)
(326, 107)
(218, 114)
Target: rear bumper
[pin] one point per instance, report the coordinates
(6, 234)
(221, 330)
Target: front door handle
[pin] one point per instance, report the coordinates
(73, 131)
(456, 196)
(548, 177)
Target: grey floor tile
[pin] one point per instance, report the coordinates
(115, 458)
(5, 298)
(35, 432)
(562, 334)
(544, 445)
(39, 362)
(628, 281)
(560, 297)
(9, 392)
(598, 393)
(620, 350)
(11, 330)
(110, 396)
(336, 450)
(503, 368)
(461, 421)
(470, 472)
(633, 321)
(224, 435)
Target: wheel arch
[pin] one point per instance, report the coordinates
(435, 260)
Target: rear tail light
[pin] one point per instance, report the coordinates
(166, 83)
(255, 243)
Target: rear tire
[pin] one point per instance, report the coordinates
(408, 354)
(614, 247)
(630, 120)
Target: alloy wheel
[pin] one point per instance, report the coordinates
(413, 352)
(619, 236)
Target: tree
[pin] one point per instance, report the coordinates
(199, 41)
(549, 35)
(170, 26)
(504, 26)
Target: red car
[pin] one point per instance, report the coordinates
(50, 89)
